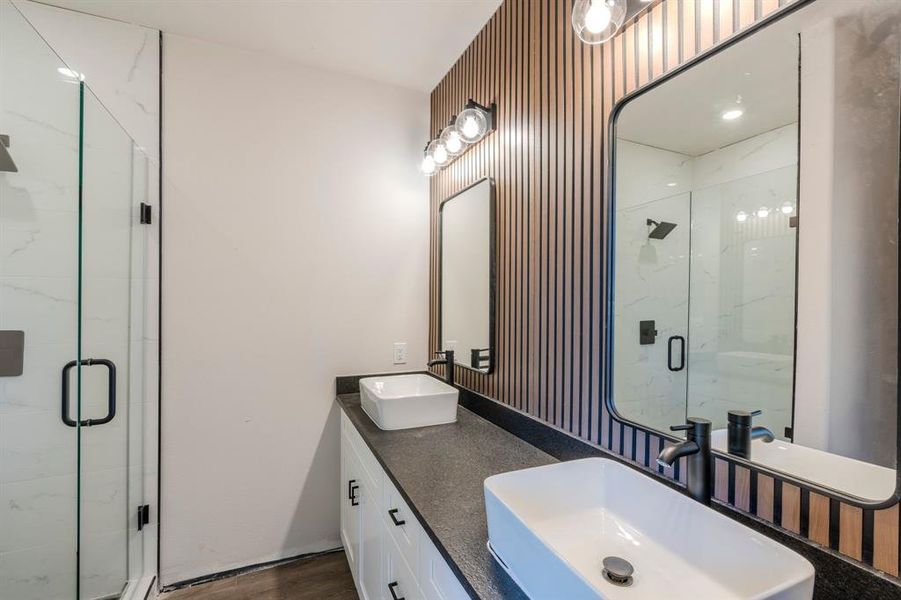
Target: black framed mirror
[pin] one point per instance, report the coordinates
(468, 276)
(753, 247)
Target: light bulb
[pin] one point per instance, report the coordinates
(428, 165)
(453, 141)
(763, 212)
(596, 21)
(787, 208)
(472, 124)
(731, 115)
(598, 17)
(741, 216)
(440, 154)
(470, 127)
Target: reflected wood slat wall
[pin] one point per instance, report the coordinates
(554, 96)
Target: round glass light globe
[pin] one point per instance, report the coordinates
(596, 21)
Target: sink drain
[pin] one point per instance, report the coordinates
(618, 571)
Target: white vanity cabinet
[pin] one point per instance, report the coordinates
(390, 555)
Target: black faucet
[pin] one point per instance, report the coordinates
(741, 433)
(448, 362)
(700, 461)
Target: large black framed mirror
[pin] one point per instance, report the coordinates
(753, 240)
(468, 275)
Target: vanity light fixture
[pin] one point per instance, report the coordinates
(741, 216)
(787, 208)
(596, 21)
(473, 123)
(427, 166)
(731, 115)
(763, 212)
(438, 152)
(452, 140)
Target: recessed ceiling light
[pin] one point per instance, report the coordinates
(731, 115)
(741, 216)
(671, 184)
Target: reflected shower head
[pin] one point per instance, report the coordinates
(6, 161)
(660, 230)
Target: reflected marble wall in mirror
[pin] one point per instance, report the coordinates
(755, 219)
(467, 276)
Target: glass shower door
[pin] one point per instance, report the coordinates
(111, 359)
(651, 309)
(38, 297)
(742, 299)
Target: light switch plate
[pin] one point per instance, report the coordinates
(400, 353)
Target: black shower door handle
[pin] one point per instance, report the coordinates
(669, 353)
(111, 397)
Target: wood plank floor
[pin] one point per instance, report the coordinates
(325, 577)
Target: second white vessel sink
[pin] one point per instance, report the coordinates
(552, 527)
(405, 401)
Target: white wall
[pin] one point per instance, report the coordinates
(296, 249)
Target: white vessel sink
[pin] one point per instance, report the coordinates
(551, 527)
(405, 401)
(862, 479)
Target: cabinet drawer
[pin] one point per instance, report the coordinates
(400, 581)
(406, 535)
(436, 580)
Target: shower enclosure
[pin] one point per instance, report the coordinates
(72, 303)
(705, 307)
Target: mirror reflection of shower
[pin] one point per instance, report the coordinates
(657, 230)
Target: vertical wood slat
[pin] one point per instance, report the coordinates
(554, 96)
(766, 497)
(885, 540)
(851, 529)
(819, 519)
(791, 507)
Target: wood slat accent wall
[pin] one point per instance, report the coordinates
(554, 96)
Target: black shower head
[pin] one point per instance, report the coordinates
(660, 230)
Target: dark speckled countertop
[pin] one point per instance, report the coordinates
(439, 471)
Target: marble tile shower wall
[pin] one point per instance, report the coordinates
(38, 294)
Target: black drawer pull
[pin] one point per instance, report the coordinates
(391, 514)
(350, 493)
(353, 495)
(391, 587)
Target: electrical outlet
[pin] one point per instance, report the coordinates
(400, 353)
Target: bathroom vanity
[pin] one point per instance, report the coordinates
(434, 480)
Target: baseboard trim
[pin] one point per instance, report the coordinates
(244, 570)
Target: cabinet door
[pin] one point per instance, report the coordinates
(350, 505)
(371, 544)
(400, 581)
(436, 579)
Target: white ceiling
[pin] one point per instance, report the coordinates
(685, 114)
(410, 43)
